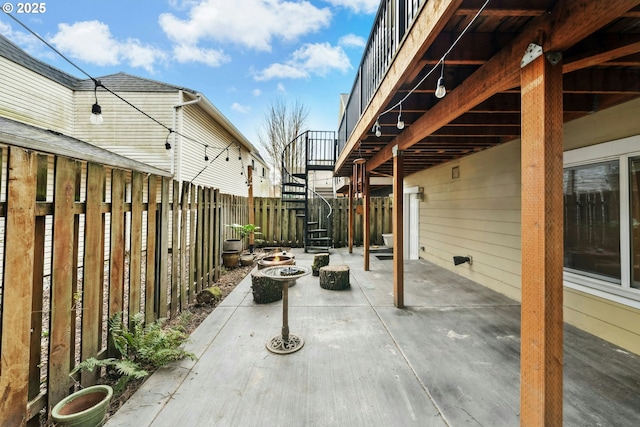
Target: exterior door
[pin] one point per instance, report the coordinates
(412, 223)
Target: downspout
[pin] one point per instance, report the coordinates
(178, 147)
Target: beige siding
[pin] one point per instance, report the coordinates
(126, 131)
(219, 174)
(478, 214)
(30, 98)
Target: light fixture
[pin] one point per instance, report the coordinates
(206, 158)
(227, 159)
(400, 123)
(96, 110)
(376, 128)
(167, 144)
(457, 260)
(441, 91)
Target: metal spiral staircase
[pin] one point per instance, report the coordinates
(308, 152)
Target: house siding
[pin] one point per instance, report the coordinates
(31, 98)
(126, 131)
(229, 176)
(478, 214)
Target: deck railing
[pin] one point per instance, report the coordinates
(392, 22)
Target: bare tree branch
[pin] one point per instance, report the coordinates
(282, 123)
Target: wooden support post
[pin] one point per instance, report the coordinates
(350, 218)
(16, 308)
(116, 251)
(163, 249)
(62, 282)
(542, 244)
(397, 229)
(93, 283)
(252, 214)
(366, 216)
(150, 312)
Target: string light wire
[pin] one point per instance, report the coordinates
(97, 83)
(440, 61)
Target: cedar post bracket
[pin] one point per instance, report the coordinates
(535, 50)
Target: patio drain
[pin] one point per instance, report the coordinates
(285, 343)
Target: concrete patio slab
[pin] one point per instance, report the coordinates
(450, 358)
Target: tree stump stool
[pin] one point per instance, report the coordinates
(334, 277)
(319, 260)
(265, 289)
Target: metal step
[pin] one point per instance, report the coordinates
(317, 230)
(319, 239)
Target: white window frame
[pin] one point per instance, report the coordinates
(621, 150)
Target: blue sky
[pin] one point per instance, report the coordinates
(241, 54)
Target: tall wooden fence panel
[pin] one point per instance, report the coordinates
(115, 241)
(280, 225)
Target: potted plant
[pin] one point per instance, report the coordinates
(246, 230)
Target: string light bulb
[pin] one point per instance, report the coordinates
(206, 158)
(400, 124)
(96, 110)
(376, 129)
(167, 144)
(441, 91)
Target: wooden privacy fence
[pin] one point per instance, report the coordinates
(114, 240)
(82, 241)
(280, 227)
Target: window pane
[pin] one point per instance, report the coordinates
(592, 220)
(634, 185)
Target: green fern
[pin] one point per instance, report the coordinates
(141, 347)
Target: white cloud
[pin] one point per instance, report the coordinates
(92, 42)
(316, 58)
(281, 71)
(351, 40)
(281, 88)
(358, 6)
(251, 23)
(244, 109)
(188, 53)
(256, 92)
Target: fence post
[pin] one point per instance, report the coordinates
(16, 316)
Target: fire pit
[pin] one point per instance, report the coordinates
(285, 343)
(275, 260)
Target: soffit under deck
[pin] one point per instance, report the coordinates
(601, 69)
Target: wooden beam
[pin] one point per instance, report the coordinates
(398, 229)
(366, 215)
(431, 20)
(601, 56)
(350, 217)
(252, 214)
(569, 22)
(542, 245)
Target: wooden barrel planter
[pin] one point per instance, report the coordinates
(265, 289)
(334, 277)
(230, 259)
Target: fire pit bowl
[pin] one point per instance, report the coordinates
(275, 260)
(285, 343)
